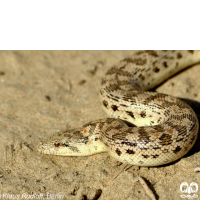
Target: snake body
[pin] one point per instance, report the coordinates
(163, 128)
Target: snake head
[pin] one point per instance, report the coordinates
(74, 142)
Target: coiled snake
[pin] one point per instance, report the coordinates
(163, 129)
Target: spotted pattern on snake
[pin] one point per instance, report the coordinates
(145, 128)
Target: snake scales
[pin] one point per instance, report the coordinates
(163, 129)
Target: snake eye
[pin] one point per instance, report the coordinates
(57, 144)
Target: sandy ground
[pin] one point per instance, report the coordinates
(42, 92)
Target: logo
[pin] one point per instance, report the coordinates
(190, 190)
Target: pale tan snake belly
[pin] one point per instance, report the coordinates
(163, 128)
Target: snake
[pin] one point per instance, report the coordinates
(144, 128)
